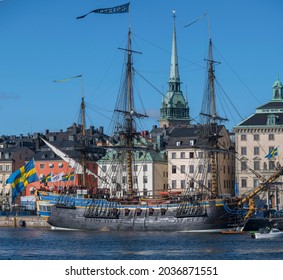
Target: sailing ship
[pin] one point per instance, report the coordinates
(134, 212)
(124, 208)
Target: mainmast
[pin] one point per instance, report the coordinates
(129, 119)
(128, 132)
(210, 125)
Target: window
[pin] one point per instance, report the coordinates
(256, 165)
(113, 168)
(183, 169)
(173, 155)
(244, 183)
(243, 165)
(200, 168)
(271, 119)
(1, 167)
(256, 137)
(124, 168)
(145, 179)
(209, 168)
(183, 184)
(200, 154)
(183, 155)
(114, 180)
(271, 165)
(256, 183)
(173, 184)
(6, 156)
(192, 142)
(145, 167)
(271, 137)
(243, 151)
(7, 167)
(41, 166)
(243, 137)
(124, 180)
(191, 169)
(256, 151)
(191, 155)
(174, 169)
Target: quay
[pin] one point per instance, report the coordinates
(23, 221)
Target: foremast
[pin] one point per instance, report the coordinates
(128, 132)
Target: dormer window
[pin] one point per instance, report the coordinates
(271, 119)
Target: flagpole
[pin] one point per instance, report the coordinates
(129, 17)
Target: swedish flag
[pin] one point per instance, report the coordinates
(68, 177)
(21, 178)
(273, 153)
(47, 178)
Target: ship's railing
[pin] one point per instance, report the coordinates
(102, 209)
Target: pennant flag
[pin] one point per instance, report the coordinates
(68, 177)
(273, 153)
(21, 178)
(57, 177)
(67, 79)
(114, 10)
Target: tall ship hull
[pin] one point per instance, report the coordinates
(208, 215)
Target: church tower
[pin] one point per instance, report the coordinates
(174, 109)
(277, 90)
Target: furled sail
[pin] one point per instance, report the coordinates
(78, 168)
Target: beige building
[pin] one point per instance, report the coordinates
(189, 162)
(149, 171)
(259, 147)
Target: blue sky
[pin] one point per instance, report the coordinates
(42, 41)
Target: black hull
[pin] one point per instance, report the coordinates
(215, 218)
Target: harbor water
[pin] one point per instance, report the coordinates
(46, 244)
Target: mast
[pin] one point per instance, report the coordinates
(214, 190)
(83, 124)
(129, 120)
(210, 124)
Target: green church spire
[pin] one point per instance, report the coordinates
(174, 109)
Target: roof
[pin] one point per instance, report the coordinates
(272, 105)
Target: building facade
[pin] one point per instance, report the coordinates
(149, 171)
(189, 163)
(259, 145)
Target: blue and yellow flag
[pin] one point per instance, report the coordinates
(273, 153)
(47, 178)
(114, 10)
(21, 178)
(68, 177)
